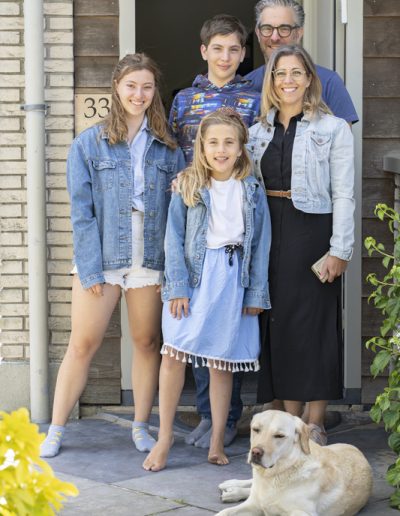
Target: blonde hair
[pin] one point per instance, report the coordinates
(312, 103)
(198, 174)
(114, 125)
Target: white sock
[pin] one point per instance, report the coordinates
(51, 445)
(141, 437)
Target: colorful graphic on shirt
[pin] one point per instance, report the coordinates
(191, 105)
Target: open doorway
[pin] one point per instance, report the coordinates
(169, 33)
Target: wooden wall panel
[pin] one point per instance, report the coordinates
(106, 363)
(381, 7)
(102, 391)
(376, 191)
(96, 44)
(382, 76)
(371, 319)
(97, 7)
(96, 52)
(382, 118)
(370, 388)
(98, 36)
(90, 71)
(382, 36)
(373, 152)
(381, 134)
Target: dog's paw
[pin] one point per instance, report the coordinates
(229, 495)
(227, 484)
(234, 494)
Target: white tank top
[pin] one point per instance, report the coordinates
(226, 222)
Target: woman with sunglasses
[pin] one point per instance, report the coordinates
(304, 157)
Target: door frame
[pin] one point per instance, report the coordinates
(342, 52)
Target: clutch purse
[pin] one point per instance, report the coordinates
(316, 268)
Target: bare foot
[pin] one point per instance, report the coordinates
(156, 460)
(220, 459)
(216, 455)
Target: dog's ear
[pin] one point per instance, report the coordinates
(304, 435)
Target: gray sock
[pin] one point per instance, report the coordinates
(199, 431)
(143, 441)
(229, 436)
(51, 445)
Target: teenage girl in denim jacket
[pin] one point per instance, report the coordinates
(304, 157)
(119, 175)
(216, 276)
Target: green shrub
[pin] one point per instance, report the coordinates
(386, 298)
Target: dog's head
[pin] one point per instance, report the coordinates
(277, 436)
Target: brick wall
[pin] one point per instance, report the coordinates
(58, 38)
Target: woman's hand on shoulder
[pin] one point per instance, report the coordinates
(178, 306)
(97, 289)
(333, 267)
(251, 310)
(175, 182)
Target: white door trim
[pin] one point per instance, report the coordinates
(339, 46)
(127, 45)
(352, 294)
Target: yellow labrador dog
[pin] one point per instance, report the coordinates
(293, 476)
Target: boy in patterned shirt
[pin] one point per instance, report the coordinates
(223, 39)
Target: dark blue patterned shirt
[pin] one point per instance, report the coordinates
(192, 104)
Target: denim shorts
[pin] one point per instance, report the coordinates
(135, 276)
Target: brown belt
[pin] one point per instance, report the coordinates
(280, 193)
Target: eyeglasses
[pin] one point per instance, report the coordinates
(284, 31)
(295, 74)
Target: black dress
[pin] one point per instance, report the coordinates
(301, 356)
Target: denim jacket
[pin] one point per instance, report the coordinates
(322, 172)
(185, 246)
(100, 183)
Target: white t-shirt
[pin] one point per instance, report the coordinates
(226, 222)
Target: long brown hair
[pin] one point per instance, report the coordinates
(312, 103)
(198, 174)
(114, 124)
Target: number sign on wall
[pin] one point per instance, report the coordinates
(90, 109)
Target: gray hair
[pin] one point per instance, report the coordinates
(292, 4)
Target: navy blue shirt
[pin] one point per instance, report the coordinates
(334, 92)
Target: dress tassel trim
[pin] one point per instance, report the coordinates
(210, 362)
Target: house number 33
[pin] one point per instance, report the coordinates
(96, 107)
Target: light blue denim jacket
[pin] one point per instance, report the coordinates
(100, 183)
(322, 172)
(185, 245)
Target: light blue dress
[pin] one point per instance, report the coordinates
(215, 333)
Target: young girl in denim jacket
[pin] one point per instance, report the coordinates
(217, 244)
(119, 175)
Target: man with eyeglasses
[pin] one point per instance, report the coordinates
(281, 22)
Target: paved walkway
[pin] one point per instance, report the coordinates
(100, 459)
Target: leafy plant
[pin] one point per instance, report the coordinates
(28, 485)
(386, 297)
